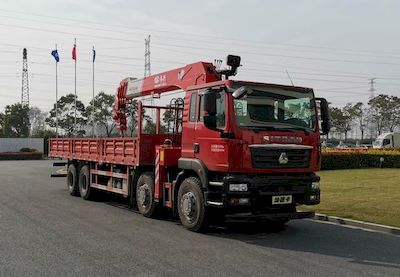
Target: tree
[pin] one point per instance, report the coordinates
(341, 119)
(66, 114)
(360, 114)
(384, 112)
(149, 126)
(132, 119)
(131, 122)
(101, 112)
(43, 133)
(16, 121)
(349, 115)
(37, 119)
(1, 123)
(168, 121)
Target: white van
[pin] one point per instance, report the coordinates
(387, 140)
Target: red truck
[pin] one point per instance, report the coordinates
(234, 148)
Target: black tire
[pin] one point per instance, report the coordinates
(84, 183)
(145, 195)
(191, 205)
(72, 180)
(281, 221)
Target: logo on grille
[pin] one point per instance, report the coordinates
(283, 158)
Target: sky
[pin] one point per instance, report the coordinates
(332, 46)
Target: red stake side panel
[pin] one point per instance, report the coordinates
(131, 151)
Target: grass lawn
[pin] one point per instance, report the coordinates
(371, 195)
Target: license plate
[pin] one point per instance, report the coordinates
(281, 199)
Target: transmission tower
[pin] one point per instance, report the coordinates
(25, 81)
(372, 87)
(147, 65)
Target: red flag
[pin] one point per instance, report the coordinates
(74, 52)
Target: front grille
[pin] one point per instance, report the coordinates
(269, 158)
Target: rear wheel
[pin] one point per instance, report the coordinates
(191, 205)
(72, 180)
(145, 195)
(84, 183)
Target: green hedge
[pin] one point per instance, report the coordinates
(358, 160)
(21, 156)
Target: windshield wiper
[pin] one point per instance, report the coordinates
(257, 129)
(285, 126)
(293, 128)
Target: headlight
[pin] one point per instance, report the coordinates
(238, 187)
(315, 185)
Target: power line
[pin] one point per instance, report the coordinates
(345, 74)
(261, 70)
(212, 37)
(247, 73)
(68, 33)
(285, 56)
(213, 49)
(211, 42)
(319, 74)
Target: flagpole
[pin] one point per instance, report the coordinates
(93, 92)
(56, 98)
(75, 131)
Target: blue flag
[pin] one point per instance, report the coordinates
(54, 53)
(94, 55)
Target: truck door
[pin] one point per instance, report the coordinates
(387, 142)
(189, 126)
(211, 148)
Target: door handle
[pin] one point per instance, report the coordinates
(196, 148)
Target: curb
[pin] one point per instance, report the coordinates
(357, 223)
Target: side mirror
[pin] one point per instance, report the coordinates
(233, 61)
(241, 92)
(210, 102)
(210, 109)
(324, 113)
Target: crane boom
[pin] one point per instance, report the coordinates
(179, 78)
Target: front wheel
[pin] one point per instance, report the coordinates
(191, 205)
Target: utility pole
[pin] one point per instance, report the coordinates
(372, 87)
(25, 80)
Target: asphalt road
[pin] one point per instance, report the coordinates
(46, 232)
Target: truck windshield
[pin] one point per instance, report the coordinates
(377, 142)
(272, 108)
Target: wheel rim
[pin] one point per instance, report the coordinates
(144, 195)
(70, 181)
(84, 183)
(189, 206)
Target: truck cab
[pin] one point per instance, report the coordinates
(256, 145)
(387, 141)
